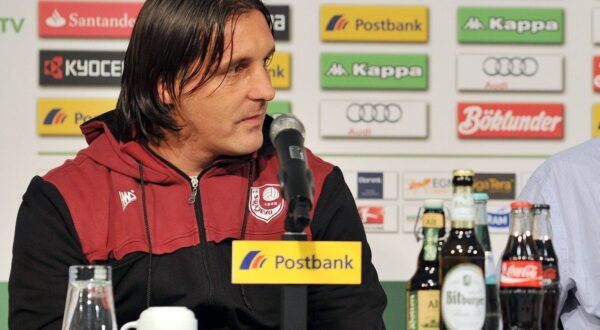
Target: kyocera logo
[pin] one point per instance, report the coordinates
(80, 68)
(253, 260)
(55, 116)
(336, 23)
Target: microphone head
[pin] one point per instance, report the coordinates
(283, 122)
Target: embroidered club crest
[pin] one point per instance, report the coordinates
(266, 202)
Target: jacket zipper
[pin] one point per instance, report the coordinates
(195, 198)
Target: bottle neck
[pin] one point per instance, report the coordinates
(430, 244)
(480, 213)
(541, 225)
(463, 211)
(520, 222)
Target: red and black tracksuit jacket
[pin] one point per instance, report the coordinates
(169, 243)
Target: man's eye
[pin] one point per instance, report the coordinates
(268, 60)
(235, 69)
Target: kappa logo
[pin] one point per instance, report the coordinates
(336, 69)
(55, 20)
(266, 202)
(127, 197)
(253, 260)
(337, 22)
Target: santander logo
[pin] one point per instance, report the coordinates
(506, 120)
(87, 18)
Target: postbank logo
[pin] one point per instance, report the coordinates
(280, 70)
(374, 23)
(62, 117)
(496, 185)
(511, 25)
(596, 120)
(510, 120)
(293, 262)
(253, 260)
(374, 71)
(419, 185)
(87, 19)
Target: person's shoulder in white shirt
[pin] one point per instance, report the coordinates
(570, 183)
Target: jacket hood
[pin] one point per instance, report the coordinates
(125, 157)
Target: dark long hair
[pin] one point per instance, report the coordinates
(173, 43)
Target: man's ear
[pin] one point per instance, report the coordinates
(163, 93)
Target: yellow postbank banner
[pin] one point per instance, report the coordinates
(374, 23)
(596, 120)
(62, 117)
(280, 70)
(296, 262)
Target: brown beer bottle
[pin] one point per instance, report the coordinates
(423, 288)
(462, 262)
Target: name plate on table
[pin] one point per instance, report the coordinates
(296, 262)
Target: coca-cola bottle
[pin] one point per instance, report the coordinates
(462, 263)
(423, 289)
(492, 313)
(521, 274)
(542, 235)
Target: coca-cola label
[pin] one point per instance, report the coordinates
(463, 298)
(550, 274)
(510, 120)
(521, 274)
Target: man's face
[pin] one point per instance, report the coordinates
(225, 116)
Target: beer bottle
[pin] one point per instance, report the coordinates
(462, 262)
(521, 274)
(492, 309)
(542, 235)
(423, 288)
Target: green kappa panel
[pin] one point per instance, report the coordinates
(275, 107)
(3, 306)
(511, 25)
(393, 316)
(374, 71)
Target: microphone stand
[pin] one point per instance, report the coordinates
(294, 299)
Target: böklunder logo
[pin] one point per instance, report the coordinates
(87, 19)
(510, 120)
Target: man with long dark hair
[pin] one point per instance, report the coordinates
(165, 185)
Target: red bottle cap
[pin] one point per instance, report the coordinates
(520, 205)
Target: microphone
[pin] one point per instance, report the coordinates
(296, 180)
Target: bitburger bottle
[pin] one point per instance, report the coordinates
(521, 274)
(462, 264)
(423, 288)
(542, 236)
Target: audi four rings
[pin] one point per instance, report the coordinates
(378, 113)
(510, 66)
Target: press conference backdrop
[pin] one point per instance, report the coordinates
(395, 92)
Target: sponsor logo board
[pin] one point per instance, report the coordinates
(496, 185)
(420, 185)
(374, 23)
(596, 120)
(87, 19)
(510, 72)
(373, 119)
(11, 24)
(511, 25)
(280, 16)
(279, 107)
(374, 71)
(285, 262)
(378, 217)
(510, 120)
(596, 73)
(372, 185)
(62, 117)
(280, 70)
(596, 25)
(82, 68)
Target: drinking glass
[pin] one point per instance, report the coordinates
(90, 304)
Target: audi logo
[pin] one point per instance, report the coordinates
(510, 66)
(374, 113)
